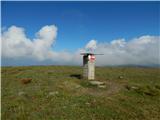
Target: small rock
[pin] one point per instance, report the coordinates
(53, 93)
(134, 87)
(21, 93)
(87, 103)
(102, 86)
(97, 83)
(121, 77)
(131, 87)
(77, 86)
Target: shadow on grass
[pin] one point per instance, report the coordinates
(78, 76)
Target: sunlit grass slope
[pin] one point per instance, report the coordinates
(60, 93)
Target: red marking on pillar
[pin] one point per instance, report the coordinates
(91, 58)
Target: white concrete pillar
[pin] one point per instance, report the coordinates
(89, 66)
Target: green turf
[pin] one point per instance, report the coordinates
(60, 93)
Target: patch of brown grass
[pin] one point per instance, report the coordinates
(25, 80)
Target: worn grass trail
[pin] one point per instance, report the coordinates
(60, 93)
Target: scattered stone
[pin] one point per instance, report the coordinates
(102, 86)
(53, 93)
(134, 87)
(87, 103)
(99, 84)
(21, 93)
(131, 87)
(121, 77)
(77, 86)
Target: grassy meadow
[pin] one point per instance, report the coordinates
(60, 93)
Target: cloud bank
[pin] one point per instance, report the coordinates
(18, 49)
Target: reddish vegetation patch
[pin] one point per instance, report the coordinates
(25, 80)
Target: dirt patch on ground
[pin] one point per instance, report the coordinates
(112, 88)
(25, 80)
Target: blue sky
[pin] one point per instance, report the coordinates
(126, 32)
(79, 22)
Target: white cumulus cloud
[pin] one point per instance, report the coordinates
(144, 50)
(91, 45)
(16, 46)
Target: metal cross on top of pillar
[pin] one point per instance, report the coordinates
(89, 65)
